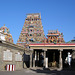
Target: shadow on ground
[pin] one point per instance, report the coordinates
(55, 72)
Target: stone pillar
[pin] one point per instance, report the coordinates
(46, 63)
(30, 59)
(34, 59)
(73, 58)
(35, 56)
(60, 60)
(44, 59)
(38, 56)
(73, 54)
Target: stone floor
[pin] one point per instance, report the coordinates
(39, 71)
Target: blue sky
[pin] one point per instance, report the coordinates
(55, 14)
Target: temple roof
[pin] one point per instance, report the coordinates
(52, 31)
(33, 14)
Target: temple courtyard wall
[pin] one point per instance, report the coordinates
(10, 54)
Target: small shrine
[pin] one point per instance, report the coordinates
(54, 36)
(5, 34)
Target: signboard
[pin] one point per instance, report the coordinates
(18, 57)
(7, 55)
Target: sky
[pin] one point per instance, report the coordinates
(55, 14)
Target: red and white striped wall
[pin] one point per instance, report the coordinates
(10, 67)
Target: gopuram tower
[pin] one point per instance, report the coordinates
(32, 31)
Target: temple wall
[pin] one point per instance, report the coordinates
(12, 50)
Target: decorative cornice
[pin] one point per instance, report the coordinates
(56, 45)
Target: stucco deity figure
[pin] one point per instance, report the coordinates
(69, 58)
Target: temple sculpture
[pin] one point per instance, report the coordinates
(5, 34)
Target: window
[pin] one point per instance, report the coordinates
(31, 26)
(26, 19)
(37, 19)
(30, 34)
(40, 34)
(32, 19)
(31, 30)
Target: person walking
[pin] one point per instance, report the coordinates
(24, 60)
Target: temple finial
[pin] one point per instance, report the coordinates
(4, 24)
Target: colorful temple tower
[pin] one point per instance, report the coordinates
(32, 31)
(54, 36)
(5, 34)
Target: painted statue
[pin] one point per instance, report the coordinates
(69, 58)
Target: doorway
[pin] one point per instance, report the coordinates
(53, 58)
(39, 57)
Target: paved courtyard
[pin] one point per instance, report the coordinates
(38, 72)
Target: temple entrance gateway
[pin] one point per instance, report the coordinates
(53, 58)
